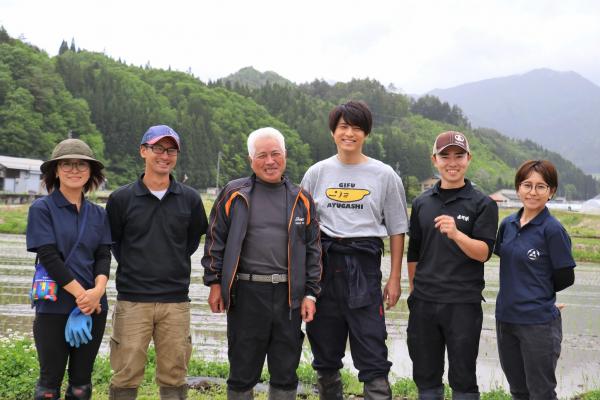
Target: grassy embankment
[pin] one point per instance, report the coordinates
(583, 228)
(19, 371)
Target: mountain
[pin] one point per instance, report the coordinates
(110, 104)
(559, 110)
(253, 78)
(404, 130)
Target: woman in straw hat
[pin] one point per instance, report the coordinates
(71, 237)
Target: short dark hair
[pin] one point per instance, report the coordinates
(355, 113)
(543, 167)
(51, 181)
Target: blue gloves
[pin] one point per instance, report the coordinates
(78, 329)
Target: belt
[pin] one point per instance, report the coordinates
(275, 278)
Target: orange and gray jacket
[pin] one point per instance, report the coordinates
(227, 230)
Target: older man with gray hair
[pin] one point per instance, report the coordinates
(262, 261)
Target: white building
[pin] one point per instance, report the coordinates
(20, 175)
(592, 206)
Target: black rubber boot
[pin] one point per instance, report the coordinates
(83, 392)
(44, 393)
(233, 395)
(465, 396)
(173, 393)
(378, 389)
(330, 385)
(436, 393)
(280, 394)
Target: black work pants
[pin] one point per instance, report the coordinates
(528, 355)
(54, 352)
(261, 325)
(436, 327)
(335, 322)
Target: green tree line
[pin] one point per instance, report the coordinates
(110, 104)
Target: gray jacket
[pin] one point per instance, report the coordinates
(227, 230)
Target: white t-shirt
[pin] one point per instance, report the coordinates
(159, 193)
(357, 200)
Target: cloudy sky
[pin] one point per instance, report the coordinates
(417, 45)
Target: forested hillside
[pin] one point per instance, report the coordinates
(125, 100)
(405, 130)
(36, 110)
(110, 104)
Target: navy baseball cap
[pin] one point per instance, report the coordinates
(157, 132)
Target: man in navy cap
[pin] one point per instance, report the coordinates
(156, 225)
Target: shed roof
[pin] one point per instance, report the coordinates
(22, 164)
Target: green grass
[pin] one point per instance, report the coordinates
(593, 395)
(13, 219)
(19, 372)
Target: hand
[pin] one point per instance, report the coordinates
(78, 329)
(447, 225)
(308, 309)
(89, 301)
(215, 300)
(560, 306)
(391, 292)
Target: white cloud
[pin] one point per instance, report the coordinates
(417, 45)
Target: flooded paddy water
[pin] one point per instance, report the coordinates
(578, 367)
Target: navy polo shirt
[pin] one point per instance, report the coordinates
(53, 220)
(529, 256)
(444, 273)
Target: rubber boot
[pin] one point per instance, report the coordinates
(82, 392)
(117, 393)
(432, 394)
(329, 384)
(173, 392)
(464, 396)
(44, 393)
(233, 395)
(280, 394)
(377, 389)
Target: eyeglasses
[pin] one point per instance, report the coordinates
(539, 188)
(158, 149)
(68, 166)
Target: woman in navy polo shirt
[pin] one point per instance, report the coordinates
(535, 263)
(54, 224)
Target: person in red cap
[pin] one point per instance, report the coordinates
(156, 225)
(452, 233)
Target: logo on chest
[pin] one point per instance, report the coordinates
(299, 221)
(463, 217)
(346, 195)
(533, 254)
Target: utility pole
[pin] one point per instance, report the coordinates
(219, 154)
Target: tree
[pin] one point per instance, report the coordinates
(431, 107)
(63, 47)
(4, 37)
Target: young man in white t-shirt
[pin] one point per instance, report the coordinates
(360, 201)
